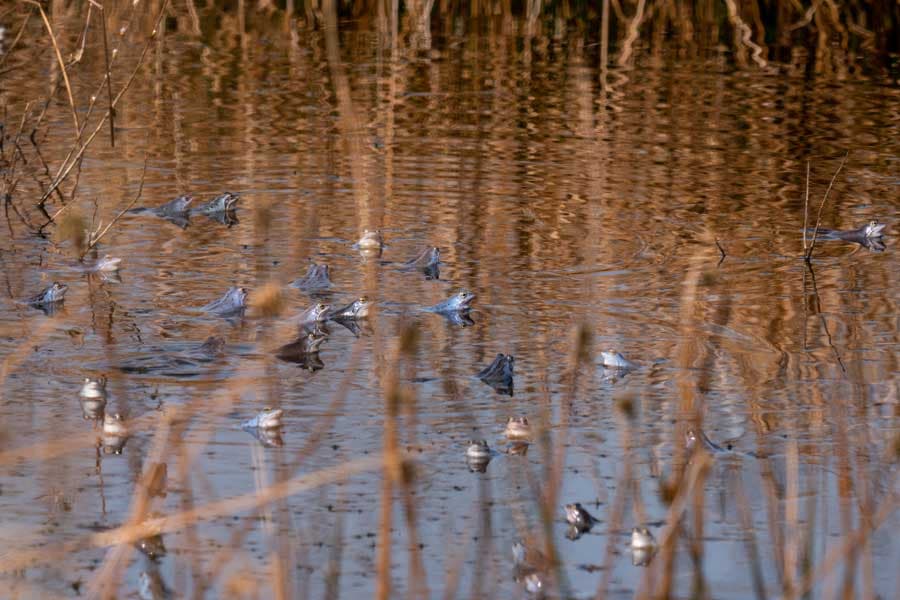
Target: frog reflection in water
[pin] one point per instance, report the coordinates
(517, 428)
(643, 546)
(93, 398)
(115, 433)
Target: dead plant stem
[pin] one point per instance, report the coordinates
(821, 206)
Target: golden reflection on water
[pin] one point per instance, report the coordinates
(558, 192)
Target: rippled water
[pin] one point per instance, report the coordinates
(560, 197)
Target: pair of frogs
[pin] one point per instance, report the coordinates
(179, 211)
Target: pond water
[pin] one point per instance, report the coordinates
(566, 199)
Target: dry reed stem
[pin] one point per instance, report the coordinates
(791, 516)
(91, 105)
(806, 209)
(616, 515)
(9, 177)
(389, 475)
(851, 542)
(128, 534)
(822, 205)
(223, 558)
(112, 111)
(48, 450)
(62, 65)
(701, 462)
(75, 155)
(105, 581)
(268, 300)
(78, 54)
(297, 460)
(333, 570)
(756, 573)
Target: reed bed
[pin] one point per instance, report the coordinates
(843, 40)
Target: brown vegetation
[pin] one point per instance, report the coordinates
(798, 38)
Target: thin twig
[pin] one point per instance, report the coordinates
(721, 251)
(112, 111)
(806, 209)
(62, 64)
(821, 206)
(94, 239)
